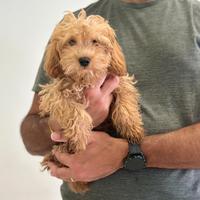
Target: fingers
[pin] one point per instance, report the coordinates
(68, 172)
(110, 84)
(64, 158)
(106, 85)
(101, 81)
(60, 172)
(96, 88)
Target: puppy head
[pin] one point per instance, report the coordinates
(83, 48)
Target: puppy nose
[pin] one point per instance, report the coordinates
(84, 61)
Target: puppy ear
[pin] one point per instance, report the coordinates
(51, 63)
(52, 58)
(118, 63)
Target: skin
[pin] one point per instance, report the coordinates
(104, 155)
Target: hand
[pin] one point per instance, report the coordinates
(100, 98)
(103, 156)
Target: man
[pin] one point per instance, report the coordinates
(161, 43)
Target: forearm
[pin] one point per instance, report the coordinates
(36, 134)
(174, 150)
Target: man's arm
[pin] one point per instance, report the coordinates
(104, 155)
(35, 131)
(178, 149)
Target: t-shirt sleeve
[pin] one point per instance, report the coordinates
(41, 78)
(196, 17)
(196, 8)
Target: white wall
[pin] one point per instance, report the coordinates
(25, 26)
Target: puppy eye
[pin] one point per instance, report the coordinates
(72, 42)
(94, 41)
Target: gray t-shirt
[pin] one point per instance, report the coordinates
(161, 43)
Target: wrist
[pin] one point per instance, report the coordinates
(119, 151)
(124, 148)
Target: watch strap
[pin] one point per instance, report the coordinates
(135, 159)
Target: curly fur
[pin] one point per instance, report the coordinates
(63, 98)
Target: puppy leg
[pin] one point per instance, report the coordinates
(76, 129)
(60, 105)
(125, 114)
(76, 124)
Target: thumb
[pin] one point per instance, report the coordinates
(57, 137)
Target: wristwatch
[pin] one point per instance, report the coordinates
(135, 159)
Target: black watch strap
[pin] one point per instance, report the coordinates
(135, 159)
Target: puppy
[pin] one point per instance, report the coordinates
(80, 52)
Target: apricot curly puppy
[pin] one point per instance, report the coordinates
(81, 50)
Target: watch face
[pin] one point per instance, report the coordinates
(138, 156)
(135, 159)
(135, 162)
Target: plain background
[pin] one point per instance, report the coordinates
(25, 27)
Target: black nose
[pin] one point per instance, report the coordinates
(84, 61)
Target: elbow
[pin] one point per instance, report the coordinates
(30, 147)
(31, 144)
(33, 151)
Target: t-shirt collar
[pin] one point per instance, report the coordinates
(138, 5)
